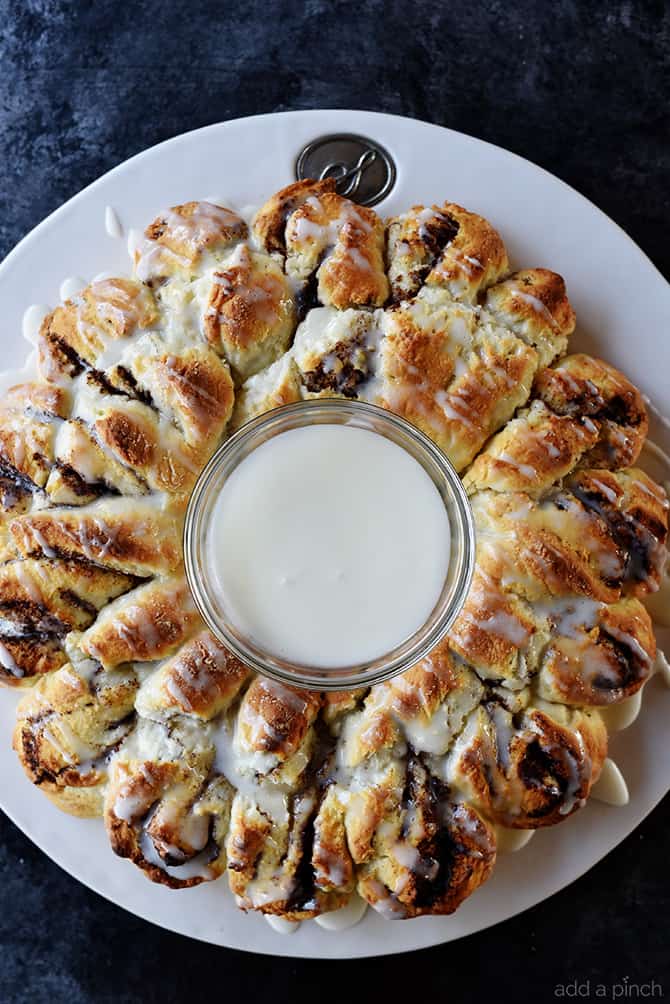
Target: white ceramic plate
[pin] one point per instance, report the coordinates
(622, 305)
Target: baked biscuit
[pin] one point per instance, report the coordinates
(191, 388)
(177, 240)
(142, 540)
(451, 372)
(68, 725)
(28, 421)
(427, 856)
(270, 221)
(202, 680)
(337, 352)
(144, 625)
(272, 388)
(334, 249)
(529, 766)
(532, 452)
(598, 654)
(92, 328)
(444, 246)
(249, 316)
(591, 388)
(534, 304)
(159, 809)
(40, 602)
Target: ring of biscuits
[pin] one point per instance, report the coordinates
(134, 711)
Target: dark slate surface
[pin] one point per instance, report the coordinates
(580, 88)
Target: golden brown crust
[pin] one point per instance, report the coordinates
(176, 240)
(552, 547)
(146, 624)
(67, 725)
(583, 386)
(202, 679)
(143, 540)
(340, 245)
(533, 303)
(134, 435)
(194, 387)
(445, 246)
(24, 658)
(270, 221)
(532, 452)
(274, 718)
(492, 628)
(81, 329)
(84, 469)
(454, 379)
(531, 768)
(250, 315)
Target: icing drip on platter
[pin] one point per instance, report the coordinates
(280, 925)
(32, 320)
(113, 224)
(611, 786)
(347, 916)
(70, 286)
(510, 841)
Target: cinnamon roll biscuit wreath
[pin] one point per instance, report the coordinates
(133, 711)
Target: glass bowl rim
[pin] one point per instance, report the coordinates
(412, 649)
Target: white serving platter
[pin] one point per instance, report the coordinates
(623, 307)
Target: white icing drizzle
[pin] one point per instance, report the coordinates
(611, 786)
(32, 320)
(432, 735)
(269, 796)
(7, 662)
(101, 276)
(71, 286)
(197, 867)
(451, 404)
(41, 542)
(608, 492)
(525, 470)
(26, 582)
(113, 224)
(127, 806)
(206, 223)
(347, 916)
(628, 639)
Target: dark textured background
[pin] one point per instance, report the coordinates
(580, 88)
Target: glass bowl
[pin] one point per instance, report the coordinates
(330, 411)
